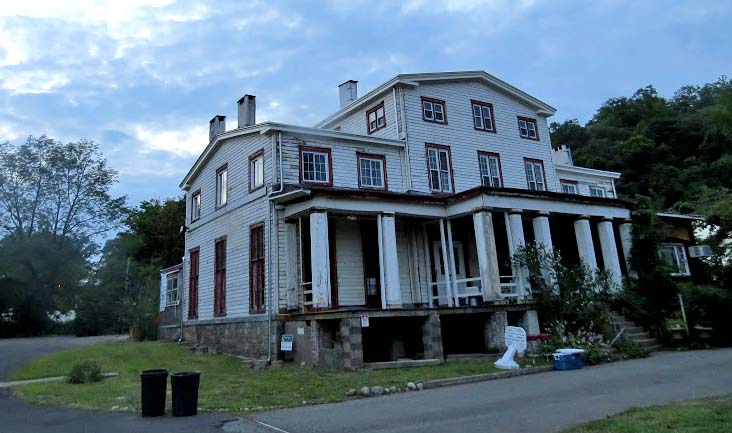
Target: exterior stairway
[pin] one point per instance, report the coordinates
(634, 332)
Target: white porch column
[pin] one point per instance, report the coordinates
(453, 268)
(543, 236)
(584, 242)
(518, 241)
(392, 290)
(293, 267)
(446, 264)
(485, 242)
(320, 259)
(609, 250)
(626, 242)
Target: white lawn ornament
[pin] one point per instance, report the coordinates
(516, 342)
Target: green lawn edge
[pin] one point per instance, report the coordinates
(225, 384)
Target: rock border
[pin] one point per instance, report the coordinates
(46, 379)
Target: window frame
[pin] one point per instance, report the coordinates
(485, 154)
(222, 194)
(372, 156)
(169, 291)
(219, 303)
(434, 101)
(438, 148)
(572, 183)
(196, 195)
(676, 247)
(489, 106)
(257, 301)
(543, 173)
(528, 120)
(252, 159)
(375, 109)
(598, 188)
(193, 281)
(329, 166)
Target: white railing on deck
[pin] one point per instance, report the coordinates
(509, 286)
(307, 294)
(467, 288)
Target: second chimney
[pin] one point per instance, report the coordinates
(216, 126)
(247, 109)
(348, 92)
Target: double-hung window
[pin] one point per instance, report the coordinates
(674, 255)
(315, 165)
(371, 171)
(256, 170)
(440, 168)
(171, 289)
(193, 284)
(596, 191)
(535, 174)
(376, 118)
(527, 128)
(569, 186)
(222, 187)
(490, 169)
(196, 205)
(433, 110)
(483, 116)
(256, 268)
(220, 277)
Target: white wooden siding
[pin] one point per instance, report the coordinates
(355, 123)
(345, 172)
(465, 141)
(584, 181)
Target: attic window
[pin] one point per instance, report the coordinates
(376, 118)
(483, 116)
(433, 110)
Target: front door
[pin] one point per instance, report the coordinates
(371, 268)
(441, 268)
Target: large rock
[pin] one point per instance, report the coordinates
(411, 386)
(365, 391)
(377, 390)
(351, 392)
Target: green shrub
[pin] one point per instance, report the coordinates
(85, 371)
(629, 349)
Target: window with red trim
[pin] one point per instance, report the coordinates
(196, 205)
(376, 118)
(371, 171)
(528, 128)
(535, 174)
(256, 268)
(569, 186)
(434, 110)
(490, 169)
(222, 185)
(439, 166)
(220, 278)
(483, 116)
(193, 285)
(256, 170)
(316, 165)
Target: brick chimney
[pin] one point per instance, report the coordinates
(247, 110)
(216, 126)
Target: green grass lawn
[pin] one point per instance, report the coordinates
(225, 384)
(708, 415)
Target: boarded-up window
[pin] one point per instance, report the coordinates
(193, 286)
(256, 268)
(220, 278)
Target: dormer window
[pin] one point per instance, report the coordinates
(315, 165)
(483, 116)
(527, 128)
(376, 118)
(433, 110)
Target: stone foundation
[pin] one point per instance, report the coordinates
(432, 338)
(245, 338)
(495, 331)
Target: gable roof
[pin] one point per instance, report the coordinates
(413, 80)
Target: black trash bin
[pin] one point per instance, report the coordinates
(153, 385)
(185, 392)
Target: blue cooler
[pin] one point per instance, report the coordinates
(568, 359)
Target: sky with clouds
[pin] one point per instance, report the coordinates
(144, 77)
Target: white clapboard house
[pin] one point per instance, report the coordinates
(386, 230)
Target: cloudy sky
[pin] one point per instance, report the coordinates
(143, 77)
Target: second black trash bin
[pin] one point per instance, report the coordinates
(185, 392)
(153, 385)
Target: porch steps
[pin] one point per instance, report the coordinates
(634, 332)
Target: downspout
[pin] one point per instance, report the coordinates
(182, 293)
(277, 147)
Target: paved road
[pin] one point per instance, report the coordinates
(531, 404)
(19, 417)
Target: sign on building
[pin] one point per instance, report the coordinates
(364, 320)
(286, 343)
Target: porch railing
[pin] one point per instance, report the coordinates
(509, 286)
(307, 295)
(467, 288)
